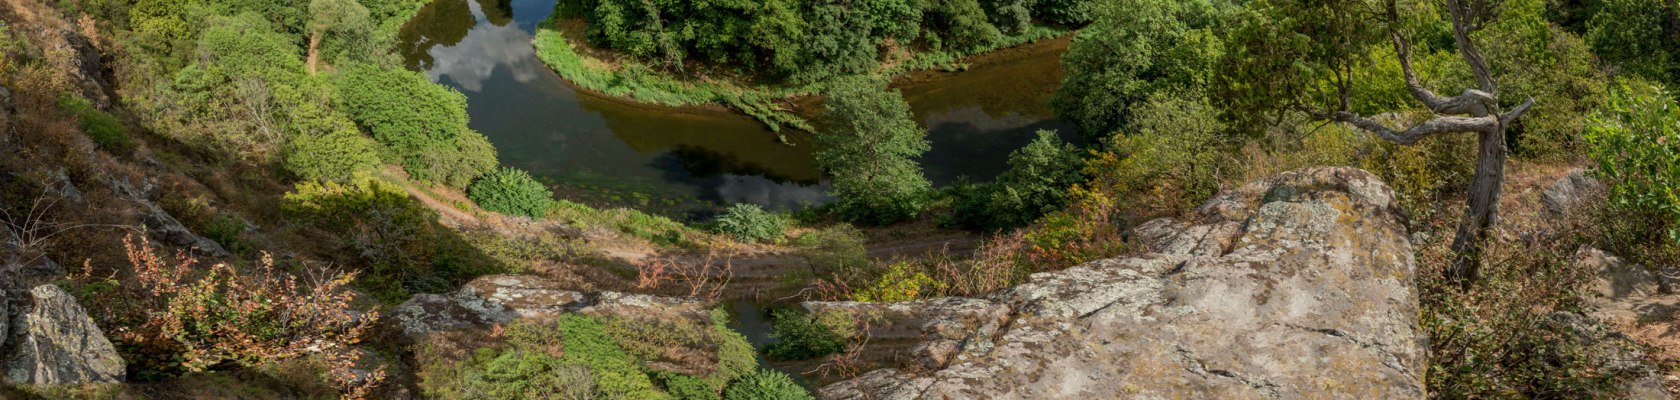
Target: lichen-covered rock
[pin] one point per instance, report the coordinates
(1570, 191)
(54, 342)
(499, 299)
(1297, 286)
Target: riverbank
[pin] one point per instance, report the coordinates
(560, 44)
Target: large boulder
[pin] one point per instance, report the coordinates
(53, 342)
(1570, 191)
(1297, 286)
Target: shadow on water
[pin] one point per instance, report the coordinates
(692, 161)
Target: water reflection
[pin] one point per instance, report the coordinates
(682, 162)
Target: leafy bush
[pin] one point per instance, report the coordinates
(801, 336)
(1636, 142)
(766, 384)
(519, 373)
(1171, 159)
(104, 128)
(391, 235)
(1035, 184)
(684, 387)
(1638, 36)
(422, 125)
(617, 375)
(171, 315)
(901, 282)
(868, 145)
(511, 191)
(750, 223)
(337, 155)
(833, 249)
(1134, 50)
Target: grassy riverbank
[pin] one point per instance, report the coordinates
(776, 105)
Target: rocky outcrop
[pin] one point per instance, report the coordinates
(1298, 286)
(1569, 192)
(45, 336)
(54, 342)
(499, 299)
(160, 225)
(1631, 299)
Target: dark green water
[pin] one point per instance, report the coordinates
(684, 162)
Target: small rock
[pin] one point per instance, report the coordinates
(1570, 191)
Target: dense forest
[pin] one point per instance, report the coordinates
(267, 189)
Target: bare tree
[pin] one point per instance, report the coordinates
(1475, 111)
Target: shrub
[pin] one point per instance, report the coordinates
(750, 223)
(1171, 158)
(519, 373)
(511, 191)
(617, 375)
(868, 145)
(684, 387)
(766, 384)
(422, 125)
(833, 249)
(337, 155)
(1636, 142)
(901, 282)
(1035, 184)
(1638, 36)
(1134, 50)
(171, 315)
(104, 128)
(394, 237)
(801, 336)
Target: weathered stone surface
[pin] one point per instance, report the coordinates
(499, 299)
(1629, 298)
(54, 342)
(1570, 191)
(1298, 286)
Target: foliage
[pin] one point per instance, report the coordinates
(901, 282)
(170, 315)
(518, 373)
(1520, 331)
(833, 249)
(1639, 37)
(422, 125)
(1635, 141)
(684, 387)
(868, 145)
(1172, 158)
(511, 191)
(654, 228)
(336, 155)
(801, 336)
(104, 128)
(1066, 12)
(959, 25)
(1134, 50)
(394, 237)
(1035, 184)
(750, 223)
(1532, 57)
(842, 36)
(766, 384)
(616, 374)
(339, 27)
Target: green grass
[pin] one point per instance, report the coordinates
(105, 129)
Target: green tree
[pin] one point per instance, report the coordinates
(1301, 57)
(1134, 49)
(1638, 36)
(422, 125)
(869, 146)
(1636, 142)
(511, 191)
(1036, 183)
(337, 155)
(960, 25)
(346, 17)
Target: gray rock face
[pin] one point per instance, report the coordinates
(54, 342)
(1570, 191)
(1298, 286)
(499, 299)
(1631, 297)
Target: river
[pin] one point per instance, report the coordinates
(687, 162)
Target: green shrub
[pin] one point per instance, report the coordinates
(903, 281)
(1636, 142)
(617, 375)
(801, 336)
(511, 191)
(1134, 50)
(735, 355)
(1035, 184)
(833, 249)
(1638, 36)
(104, 128)
(750, 223)
(519, 374)
(338, 155)
(684, 387)
(422, 125)
(766, 384)
(869, 144)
